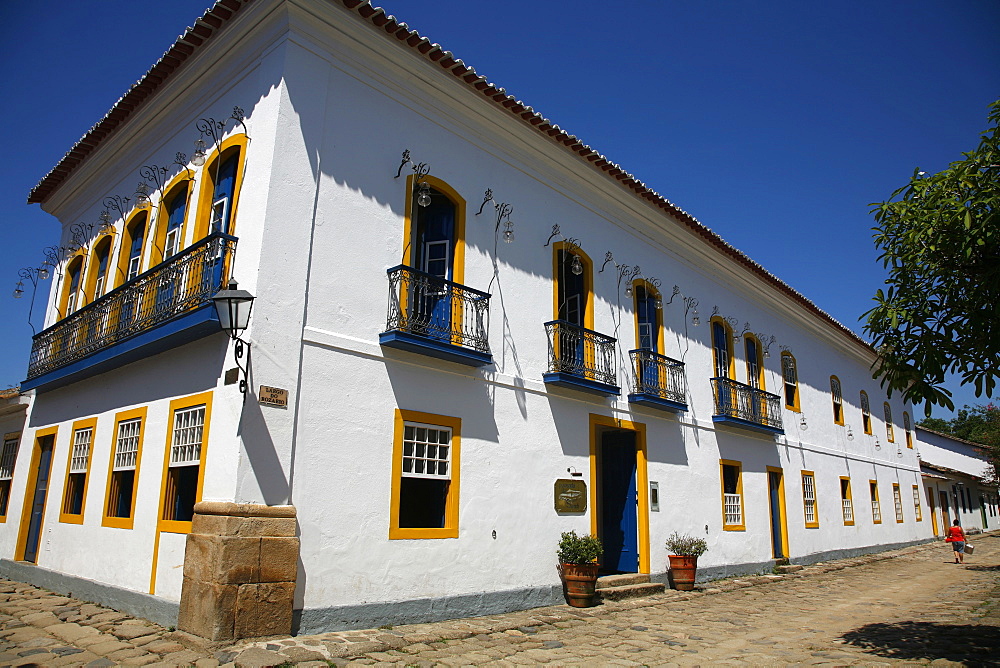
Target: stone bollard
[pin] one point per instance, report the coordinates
(240, 565)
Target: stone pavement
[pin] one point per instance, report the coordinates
(913, 606)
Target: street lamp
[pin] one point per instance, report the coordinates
(233, 307)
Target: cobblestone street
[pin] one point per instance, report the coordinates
(913, 605)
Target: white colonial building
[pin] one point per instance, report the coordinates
(428, 407)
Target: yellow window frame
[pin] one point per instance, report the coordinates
(837, 398)
(124, 522)
(731, 367)
(897, 502)
(192, 401)
(89, 423)
(847, 494)
(875, 499)
(866, 413)
(739, 490)
(158, 235)
(450, 529)
(815, 523)
(890, 434)
(796, 405)
(203, 215)
(917, 508)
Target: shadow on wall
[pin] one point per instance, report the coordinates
(194, 367)
(261, 454)
(970, 644)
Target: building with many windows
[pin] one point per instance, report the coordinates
(433, 392)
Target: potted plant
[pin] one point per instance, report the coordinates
(684, 552)
(578, 557)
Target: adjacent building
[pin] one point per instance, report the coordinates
(955, 484)
(471, 332)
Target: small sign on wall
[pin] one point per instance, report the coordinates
(273, 396)
(570, 496)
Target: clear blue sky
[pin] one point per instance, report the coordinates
(774, 123)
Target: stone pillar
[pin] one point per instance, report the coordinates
(240, 565)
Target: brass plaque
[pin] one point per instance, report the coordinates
(273, 396)
(571, 496)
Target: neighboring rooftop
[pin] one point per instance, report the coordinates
(215, 19)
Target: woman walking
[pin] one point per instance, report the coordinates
(957, 539)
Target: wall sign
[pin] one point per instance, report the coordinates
(570, 496)
(273, 396)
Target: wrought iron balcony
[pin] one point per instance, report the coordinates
(167, 293)
(657, 381)
(435, 317)
(581, 359)
(745, 406)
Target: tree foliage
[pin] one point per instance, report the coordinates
(940, 240)
(979, 424)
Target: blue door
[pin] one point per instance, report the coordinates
(435, 253)
(572, 297)
(648, 371)
(619, 503)
(774, 486)
(38, 500)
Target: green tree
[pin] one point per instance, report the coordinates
(979, 424)
(939, 237)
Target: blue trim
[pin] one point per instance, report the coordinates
(654, 401)
(191, 326)
(574, 382)
(746, 424)
(427, 346)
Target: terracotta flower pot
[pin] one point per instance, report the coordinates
(579, 584)
(682, 571)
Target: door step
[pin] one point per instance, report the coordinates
(627, 585)
(789, 568)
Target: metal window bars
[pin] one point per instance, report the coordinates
(733, 509)
(427, 305)
(189, 426)
(916, 503)
(7, 459)
(743, 402)
(809, 497)
(581, 352)
(897, 500)
(657, 375)
(180, 284)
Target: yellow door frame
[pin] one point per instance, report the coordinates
(781, 509)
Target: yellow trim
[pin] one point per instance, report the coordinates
(890, 434)
(159, 233)
(838, 406)
(739, 490)
(815, 523)
(90, 286)
(933, 507)
(866, 416)
(641, 480)
(588, 283)
(896, 492)
(850, 497)
(796, 405)
(29, 492)
(873, 484)
(917, 509)
(126, 247)
(450, 529)
(760, 360)
(124, 522)
(652, 291)
(64, 288)
(91, 423)
(203, 215)
(729, 345)
(410, 253)
(907, 428)
(781, 508)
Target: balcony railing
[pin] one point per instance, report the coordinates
(657, 380)
(744, 405)
(172, 288)
(430, 315)
(581, 358)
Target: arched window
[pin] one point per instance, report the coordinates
(889, 434)
(222, 177)
(838, 400)
(71, 300)
(790, 374)
(98, 280)
(222, 198)
(907, 427)
(647, 317)
(573, 286)
(722, 348)
(755, 361)
(130, 256)
(866, 413)
(170, 225)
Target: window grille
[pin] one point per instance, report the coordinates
(848, 511)
(189, 427)
(916, 503)
(426, 451)
(7, 459)
(897, 500)
(809, 497)
(82, 439)
(127, 448)
(734, 509)
(866, 413)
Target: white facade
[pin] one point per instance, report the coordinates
(331, 102)
(953, 480)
